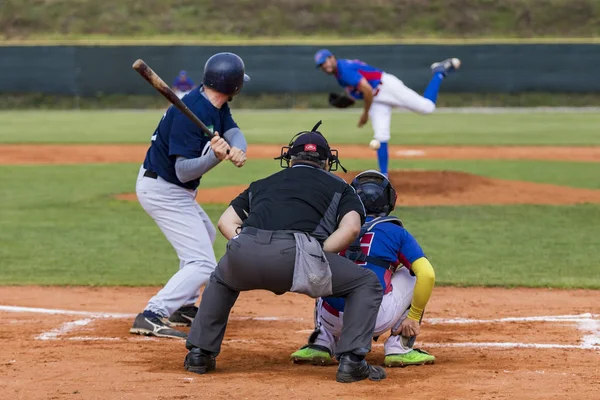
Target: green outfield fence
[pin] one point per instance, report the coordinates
(487, 68)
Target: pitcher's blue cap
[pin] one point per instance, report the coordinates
(321, 56)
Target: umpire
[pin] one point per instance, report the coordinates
(284, 232)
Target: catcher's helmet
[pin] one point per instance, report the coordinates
(311, 141)
(376, 192)
(224, 72)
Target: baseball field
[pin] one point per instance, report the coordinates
(506, 205)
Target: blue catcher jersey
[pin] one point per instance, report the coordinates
(389, 242)
(176, 135)
(350, 72)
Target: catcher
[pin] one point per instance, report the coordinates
(384, 247)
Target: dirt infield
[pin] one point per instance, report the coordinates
(80, 154)
(73, 343)
(474, 332)
(428, 188)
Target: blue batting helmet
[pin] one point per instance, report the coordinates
(375, 191)
(224, 72)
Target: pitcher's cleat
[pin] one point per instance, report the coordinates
(413, 357)
(446, 66)
(153, 326)
(183, 317)
(312, 354)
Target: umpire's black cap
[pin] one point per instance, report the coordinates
(311, 142)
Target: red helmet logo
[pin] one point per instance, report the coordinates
(310, 147)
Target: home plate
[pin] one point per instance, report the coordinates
(410, 153)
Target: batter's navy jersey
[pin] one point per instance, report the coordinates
(389, 242)
(350, 72)
(176, 135)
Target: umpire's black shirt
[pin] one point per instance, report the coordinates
(301, 198)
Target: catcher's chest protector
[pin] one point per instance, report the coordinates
(354, 251)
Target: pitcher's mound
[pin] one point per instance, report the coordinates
(457, 188)
(429, 188)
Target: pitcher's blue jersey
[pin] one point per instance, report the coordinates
(389, 242)
(350, 72)
(176, 135)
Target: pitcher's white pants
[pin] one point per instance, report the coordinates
(394, 93)
(393, 310)
(190, 232)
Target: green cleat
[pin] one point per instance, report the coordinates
(413, 357)
(311, 354)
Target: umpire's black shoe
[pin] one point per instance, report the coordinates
(199, 362)
(354, 371)
(184, 316)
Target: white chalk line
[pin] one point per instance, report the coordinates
(95, 315)
(509, 345)
(549, 318)
(64, 329)
(592, 328)
(585, 323)
(500, 345)
(505, 345)
(91, 316)
(410, 153)
(439, 110)
(111, 339)
(140, 339)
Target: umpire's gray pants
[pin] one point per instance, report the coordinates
(259, 259)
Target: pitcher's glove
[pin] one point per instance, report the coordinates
(340, 100)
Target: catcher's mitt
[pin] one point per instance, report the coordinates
(340, 100)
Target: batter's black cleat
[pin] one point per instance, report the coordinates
(199, 362)
(350, 370)
(184, 316)
(154, 326)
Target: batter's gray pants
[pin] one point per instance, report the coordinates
(190, 232)
(259, 259)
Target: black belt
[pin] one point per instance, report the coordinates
(150, 174)
(248, 230)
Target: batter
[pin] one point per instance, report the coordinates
(180, 154)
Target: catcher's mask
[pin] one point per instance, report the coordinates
(375, 191)
(311, 141)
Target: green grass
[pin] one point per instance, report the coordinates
(60, 225)
(573, 174)
(534, 246)
(213, 20)
(334, 38)
(338, 126)
(297, 101)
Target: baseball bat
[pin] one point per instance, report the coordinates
(152, 77)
